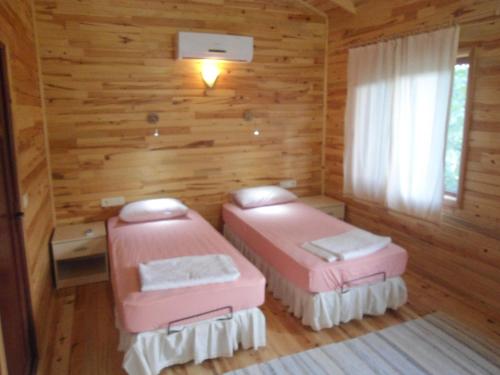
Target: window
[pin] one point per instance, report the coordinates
(456, 129)
(396, 121)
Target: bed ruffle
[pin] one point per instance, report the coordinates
(326, 309)
(147, 353)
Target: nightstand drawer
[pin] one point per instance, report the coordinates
(337, 211)
(81, 248)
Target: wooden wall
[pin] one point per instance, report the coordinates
(107, 63)
(463, 250)
(17, 33)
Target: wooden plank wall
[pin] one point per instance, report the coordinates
(17, 33)
(463, 250)
(107, 63)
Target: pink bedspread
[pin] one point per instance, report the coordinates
(276, 234)
(131, 244)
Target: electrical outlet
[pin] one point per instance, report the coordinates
(288, 184)
(112, 201)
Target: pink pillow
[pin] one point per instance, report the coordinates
(152, 209)
(262, 196)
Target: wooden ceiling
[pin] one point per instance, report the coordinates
(323, 6)
(347, 5)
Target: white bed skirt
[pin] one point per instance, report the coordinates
(147, 353)
(326, 309)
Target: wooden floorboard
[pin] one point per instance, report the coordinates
(87, 339)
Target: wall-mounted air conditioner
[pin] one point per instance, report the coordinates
(214, 46)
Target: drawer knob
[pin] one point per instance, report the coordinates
(80, 249)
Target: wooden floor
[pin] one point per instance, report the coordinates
(87, 340)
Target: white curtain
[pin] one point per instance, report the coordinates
(396, 119)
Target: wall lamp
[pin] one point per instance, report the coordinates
(210, 72)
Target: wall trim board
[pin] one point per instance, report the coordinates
(325, 87)
(44, 109)
(325, 107)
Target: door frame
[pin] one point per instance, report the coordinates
(16, 228)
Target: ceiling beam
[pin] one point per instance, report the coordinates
(313, 8)
(346, 5)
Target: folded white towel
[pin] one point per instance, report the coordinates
(187, 271)
(349, 245)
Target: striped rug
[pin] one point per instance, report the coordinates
(434, 344)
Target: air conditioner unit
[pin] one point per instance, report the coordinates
(214, 46)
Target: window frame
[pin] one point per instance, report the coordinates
(450, 199)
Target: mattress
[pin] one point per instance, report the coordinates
(277, 232)
(134, 243)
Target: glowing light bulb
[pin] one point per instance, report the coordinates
(209, 72)
(156, 133)
(256, 132)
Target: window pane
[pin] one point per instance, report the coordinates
(456, 129)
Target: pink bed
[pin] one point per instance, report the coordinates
(276, 233)
(134, 243)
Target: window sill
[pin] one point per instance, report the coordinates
(450, 200)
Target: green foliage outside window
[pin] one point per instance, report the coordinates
(456, 129)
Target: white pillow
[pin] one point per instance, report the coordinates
(152, 209)
(262, 196)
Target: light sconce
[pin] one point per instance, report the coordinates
(248, 116)
(209, 72)
(153, 119)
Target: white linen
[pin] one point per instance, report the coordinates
(352, 244)
(326, 309)
(395, 121)
(153, 209)
(187, 271)
(147, 353)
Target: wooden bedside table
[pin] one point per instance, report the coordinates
(326, 204)
(80, 254)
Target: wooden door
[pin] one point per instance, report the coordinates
(15, 305)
